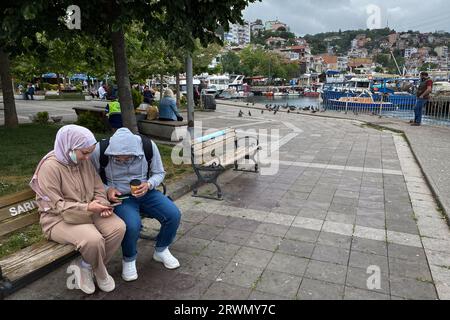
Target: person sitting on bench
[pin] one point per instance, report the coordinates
(168, 110)
(30, 92)
(121, 160)
(74, 208)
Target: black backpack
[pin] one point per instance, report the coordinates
(104, 143)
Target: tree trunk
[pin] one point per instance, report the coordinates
(161, 88)
(190, 94)
(177, 84)
(123, 80)
(58, 83)
(11, 120)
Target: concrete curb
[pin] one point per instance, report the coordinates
(431, 185)
(179, 188)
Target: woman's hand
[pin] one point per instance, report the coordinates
(106, 214)
(97, 207)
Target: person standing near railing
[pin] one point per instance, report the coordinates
(423, 95)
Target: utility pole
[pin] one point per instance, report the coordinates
(190, 94)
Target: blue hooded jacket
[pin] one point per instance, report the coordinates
(168, 109)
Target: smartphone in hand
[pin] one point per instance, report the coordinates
(115, 204)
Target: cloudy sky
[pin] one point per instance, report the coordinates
(315, 16)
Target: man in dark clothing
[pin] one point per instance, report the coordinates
(30, 92)
(423, 95)
(148, 95)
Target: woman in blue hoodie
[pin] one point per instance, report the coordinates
(127, 162)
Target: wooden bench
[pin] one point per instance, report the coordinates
(212, 153)
(18, 211)
(18, 269)
(167, 130)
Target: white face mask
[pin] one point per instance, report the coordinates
(73, 156)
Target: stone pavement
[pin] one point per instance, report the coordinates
(347, 202)
(430, 145)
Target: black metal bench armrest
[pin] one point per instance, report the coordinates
(246, 138)
(164, 188)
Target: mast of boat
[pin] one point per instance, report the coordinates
(395, 60)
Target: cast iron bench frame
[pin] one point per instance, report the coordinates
(208, 171)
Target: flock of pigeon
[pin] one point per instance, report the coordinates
(275, 108)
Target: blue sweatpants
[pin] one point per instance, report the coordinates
(153, 205)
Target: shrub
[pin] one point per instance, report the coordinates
(137, 98)
(183, 101)
(45, 86)
(41, 117)
(92, 121)
(53, 87)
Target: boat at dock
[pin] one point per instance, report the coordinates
(400, 92)
(360, 103)
(311, 94)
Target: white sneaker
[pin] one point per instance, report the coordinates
(107, 285)
(170, 262)
(86, 281)
(129, 272)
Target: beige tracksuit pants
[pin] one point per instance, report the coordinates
(96, 242)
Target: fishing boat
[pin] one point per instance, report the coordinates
(360, 103)
(280, 94)
(311, 93)
(293, 93)
(398, 91)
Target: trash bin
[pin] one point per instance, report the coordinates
(208, 102)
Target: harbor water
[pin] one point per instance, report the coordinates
(291, 101)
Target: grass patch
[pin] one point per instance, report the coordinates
(22, 148)
(20, 239)
(67, 97)
(173, 171)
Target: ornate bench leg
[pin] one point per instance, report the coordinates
(214, 172)
(248, 156)
(219, 190)
(195, 187)
(251, 157)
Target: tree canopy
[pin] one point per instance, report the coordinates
(179, 22)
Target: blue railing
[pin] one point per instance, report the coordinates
(435, 112)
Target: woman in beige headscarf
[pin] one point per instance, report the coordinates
(74, 208)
